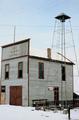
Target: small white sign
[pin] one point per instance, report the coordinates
(50, 88)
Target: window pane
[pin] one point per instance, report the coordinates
(7, 71)
(63, 73)
(7, 68)
(20, 66)
(41, 70)
(3, 88)
(20, 70)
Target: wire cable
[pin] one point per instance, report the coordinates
(74, 48)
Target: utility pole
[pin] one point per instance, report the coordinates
(28, 67)
(0, 91)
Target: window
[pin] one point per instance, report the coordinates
(3, 89)
(63, 72)
(20, 70)
(41, 70)
(7, 71)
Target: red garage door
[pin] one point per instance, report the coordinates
(15, 95)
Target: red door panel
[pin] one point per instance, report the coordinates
(15, 95)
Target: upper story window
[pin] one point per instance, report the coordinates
(41, 70)
(63, 73)
(7, 71)
(20, 70)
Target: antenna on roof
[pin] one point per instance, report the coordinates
(14, 32)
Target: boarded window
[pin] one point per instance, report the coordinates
(41, 70)
(63, 72)
(7, 71)
(20, 70)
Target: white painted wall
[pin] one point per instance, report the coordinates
(15, 51)
(38, 87)
(12, 55)
(52, 77)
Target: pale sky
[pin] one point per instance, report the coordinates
(35, 19)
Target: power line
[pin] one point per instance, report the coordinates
(74, 48)
(19, 25)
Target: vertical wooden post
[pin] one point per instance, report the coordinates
(68, 112)
(1, 74)
(0, 91)
(28, 68)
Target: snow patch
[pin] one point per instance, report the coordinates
(8, 112)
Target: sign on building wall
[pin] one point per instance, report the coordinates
(50, 88)
(15, 50)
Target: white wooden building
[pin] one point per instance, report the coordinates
(26, 79)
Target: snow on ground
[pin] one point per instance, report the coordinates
(8, 112)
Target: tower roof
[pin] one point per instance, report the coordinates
(62, 17)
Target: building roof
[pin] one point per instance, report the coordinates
(38, 55)
(75, 95)
(18, 42)
(51, 60)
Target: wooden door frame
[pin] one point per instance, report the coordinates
(15, 95)
(56, 95)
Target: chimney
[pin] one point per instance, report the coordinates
(49, 53)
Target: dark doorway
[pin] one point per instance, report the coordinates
(56, 95)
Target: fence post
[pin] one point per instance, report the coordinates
(69, 112)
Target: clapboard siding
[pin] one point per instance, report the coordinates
(38, 88)
(52, 77)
